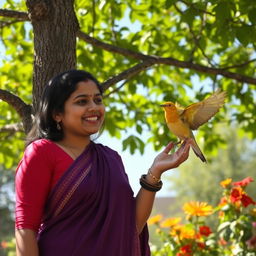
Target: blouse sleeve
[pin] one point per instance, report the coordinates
(32, 184)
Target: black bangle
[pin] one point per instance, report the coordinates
(148, 186)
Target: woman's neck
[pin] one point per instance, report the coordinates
(73, 147)
(75, 143)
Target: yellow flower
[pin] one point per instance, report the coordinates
(170, 222)
(155, 219)
(183, 232)
(187, 233)
(225, 182)
(197, 209)
(176, 230)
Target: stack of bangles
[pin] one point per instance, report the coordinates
(149, 186)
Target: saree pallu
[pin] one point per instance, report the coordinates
(91, 210)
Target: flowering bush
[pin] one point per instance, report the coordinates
(7, 248)
(235, 234)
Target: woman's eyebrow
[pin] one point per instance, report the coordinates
(87, 95)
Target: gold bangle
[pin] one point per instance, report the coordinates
(153, 176)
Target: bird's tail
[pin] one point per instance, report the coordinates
(197, 150)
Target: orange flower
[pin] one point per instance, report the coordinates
(4, 244)
(197, 209)
(155, 219)
(221, 214)
(223, 202)
(170, 222)
(225, 183)
(222, 242)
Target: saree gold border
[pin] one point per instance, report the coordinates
(71, 192)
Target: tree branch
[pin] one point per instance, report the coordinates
(12, 128)
(116, 89)
(127, 74)
(110, 47)
(20, 106)
(22, 16)
(8, 23)
(166, 61)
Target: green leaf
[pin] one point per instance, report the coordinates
(169, 3)
(223, 225)
(243, 32)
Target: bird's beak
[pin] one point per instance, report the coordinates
(162, 105)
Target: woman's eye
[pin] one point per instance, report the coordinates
(81, 102)
(98, 100)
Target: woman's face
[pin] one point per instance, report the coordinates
(83, 111)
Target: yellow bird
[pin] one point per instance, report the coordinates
(181, 121)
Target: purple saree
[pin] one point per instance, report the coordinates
(91, 210)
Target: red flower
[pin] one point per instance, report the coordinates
(252, 242)
(201, 245)
(246, 200)
(185, 250)
(205, 230)
(236, 194)
(244, 182)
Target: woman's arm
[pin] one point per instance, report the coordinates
(163, 162)
(26, 242)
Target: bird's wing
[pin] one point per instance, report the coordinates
(199, 113)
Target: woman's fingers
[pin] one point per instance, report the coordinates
(169, 147)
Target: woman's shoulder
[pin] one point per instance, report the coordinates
(40, 145)
(107, 149)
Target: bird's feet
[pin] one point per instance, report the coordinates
(177, 143)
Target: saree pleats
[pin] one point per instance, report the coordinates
(91, 210)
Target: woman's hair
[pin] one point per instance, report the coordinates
(54, 96)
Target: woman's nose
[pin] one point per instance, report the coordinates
(92, 105)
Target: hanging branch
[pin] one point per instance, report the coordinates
(24, 110)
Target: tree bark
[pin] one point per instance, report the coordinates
(55, 26)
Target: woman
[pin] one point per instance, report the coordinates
(72, 195)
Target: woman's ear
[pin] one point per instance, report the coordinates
(57, 117)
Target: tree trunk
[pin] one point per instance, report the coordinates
(55, 26)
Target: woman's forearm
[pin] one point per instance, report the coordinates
(26, 242)
(144, 203)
